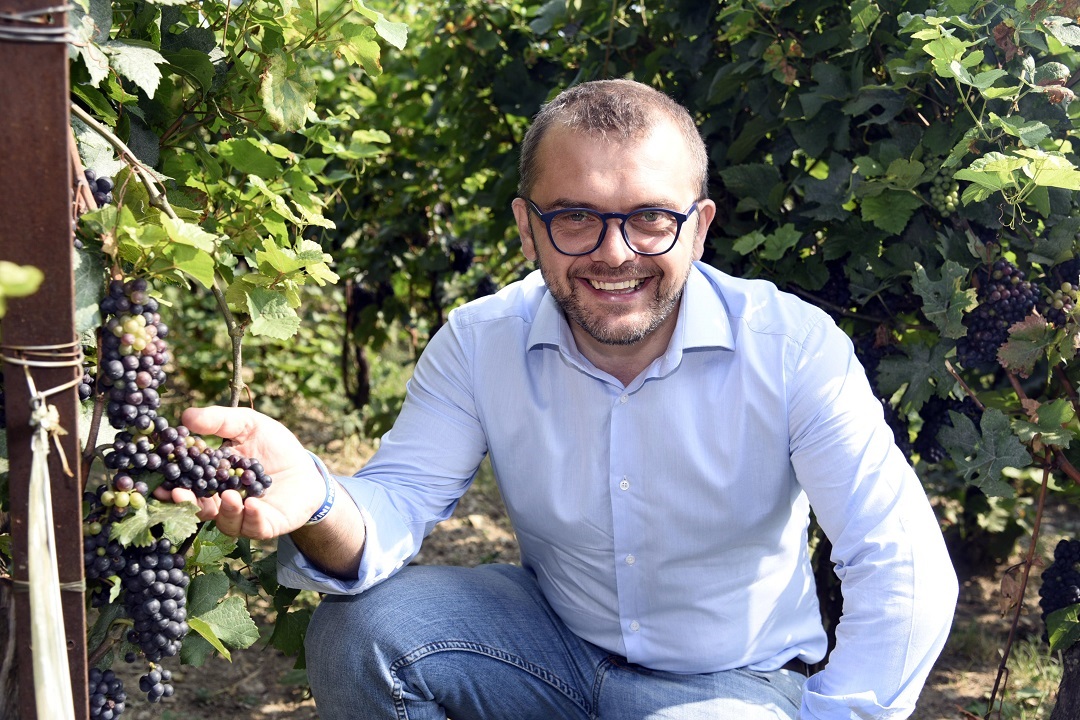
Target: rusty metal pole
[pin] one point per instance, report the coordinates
(36, 229)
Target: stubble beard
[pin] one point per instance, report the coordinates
(603, 329)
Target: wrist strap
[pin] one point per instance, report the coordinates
(331, 493)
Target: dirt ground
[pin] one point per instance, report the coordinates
(260, 682)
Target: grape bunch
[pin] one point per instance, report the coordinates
(157, 683)
(1060, 292)
(189, 463)
(101, 187)
(155, 598)
(1061, 579)
(107, 696)
(1005, 298)
(945, 192)
(133, 354)
(935, 416)
(149, 581)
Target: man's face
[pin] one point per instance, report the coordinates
(612, 294)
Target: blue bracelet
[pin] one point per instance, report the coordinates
(331, 493)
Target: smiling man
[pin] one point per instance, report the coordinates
(659, 431)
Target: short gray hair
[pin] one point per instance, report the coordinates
(620, 109)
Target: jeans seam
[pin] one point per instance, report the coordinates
(423, 651)
(598, 682)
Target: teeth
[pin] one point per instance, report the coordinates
(613, 286)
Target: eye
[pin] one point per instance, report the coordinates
(650, 215)
(577, 216)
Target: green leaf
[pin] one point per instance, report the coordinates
(89, 271)
(211, 546)
(207, 632)
(230, 622)
(137, 63)
(359, 46)
(17, 281)
(205, 591)
(945, 300)
(287, 91)
(271, 315)
(981, 457)
(193, 64)
(904, 174)
(779, 242)
(1063, 29)
(247, 156)
(1063, 627)
(191, 234)
(395, 33)
(1050, 424)
(196, 263)
(1030, 132)
(918, 371)
(891, 210)
(266, 570)
(178, 521)
(290, 629)
(1028, 341)
(752, 180)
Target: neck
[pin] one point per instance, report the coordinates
(625, 362)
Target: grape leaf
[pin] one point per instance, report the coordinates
(1063, 627)
(891, 210)
(137, 63)
(271, 315)
(207, 633)
(89, 273)
(1028, 340)
(395, 33)
(981, 456)
(178, 521)
(287, 93)
(1049, 424)
(195, 650)
(289, 631)
(211, 546)
(944, 300)
(248, 157)
(904, 174)
(240, 581)
(266, 570)
(918, 372)
(196, 263)
(230, 622)
(191, 234)
(205, 591)
(779, 242)
(1063, 29)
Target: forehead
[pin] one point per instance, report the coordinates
(579, 164)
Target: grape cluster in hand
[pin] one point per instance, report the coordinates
(107, 696)
(1005, 298)
(1061, 579)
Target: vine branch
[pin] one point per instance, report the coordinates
(160, 201)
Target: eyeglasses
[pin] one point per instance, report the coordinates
(580, 231)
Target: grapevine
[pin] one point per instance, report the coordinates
(148, 578)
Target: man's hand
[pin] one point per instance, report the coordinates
(297, 489)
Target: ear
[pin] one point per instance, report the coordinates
(706, 211)
(521, 214)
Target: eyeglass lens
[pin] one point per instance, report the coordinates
(648, 231)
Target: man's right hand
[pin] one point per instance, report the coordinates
(297, 489)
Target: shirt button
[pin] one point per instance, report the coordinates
(635, 625)
(624, 484)
(624, 398)
(630, 559)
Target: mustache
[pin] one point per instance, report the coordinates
(600, 271)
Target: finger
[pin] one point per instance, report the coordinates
(225, 422)
(208, 506)
(230, 515)
(258, 524)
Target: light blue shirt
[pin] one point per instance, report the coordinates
(666, 521)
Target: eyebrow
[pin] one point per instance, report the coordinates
(564, 203)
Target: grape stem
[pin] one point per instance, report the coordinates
(157, 199)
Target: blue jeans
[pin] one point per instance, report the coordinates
(483, 644)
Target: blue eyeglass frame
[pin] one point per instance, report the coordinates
(680, 218)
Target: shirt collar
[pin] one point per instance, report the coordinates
(702, 322)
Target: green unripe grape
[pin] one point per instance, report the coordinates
(137, 501)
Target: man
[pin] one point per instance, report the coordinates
(659, 432)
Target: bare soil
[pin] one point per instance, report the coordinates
(260, 682)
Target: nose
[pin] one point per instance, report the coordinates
(614, 250)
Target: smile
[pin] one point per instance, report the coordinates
(616, 286)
